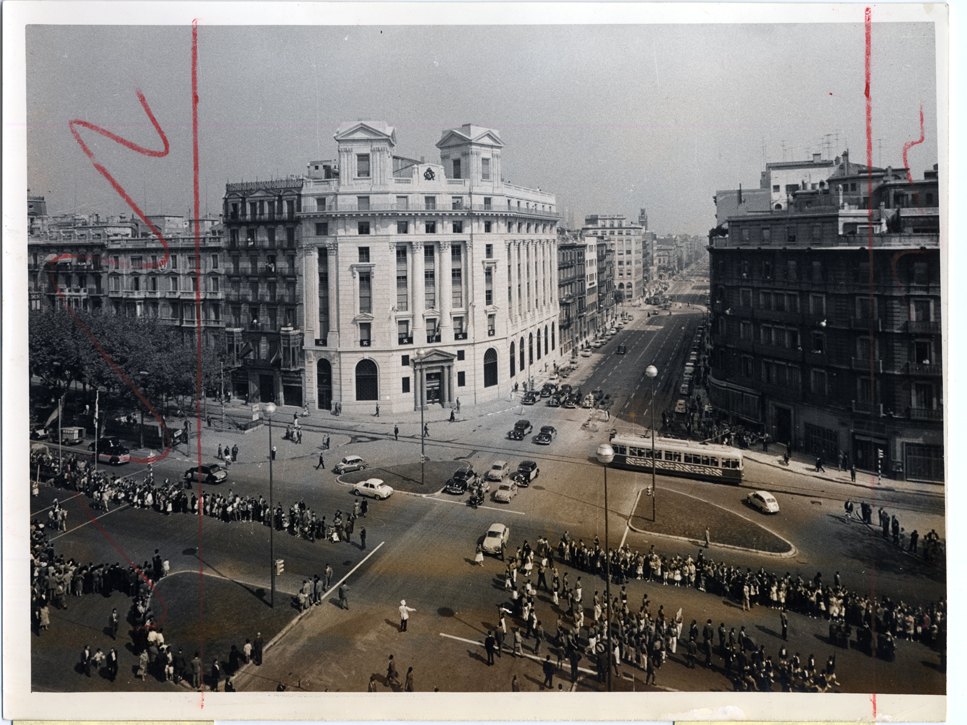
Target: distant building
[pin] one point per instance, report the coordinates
(625, 238)
(826, 321)
(783, 178)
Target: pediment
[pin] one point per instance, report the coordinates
(436, 356)
(476, 135)
(366, 131)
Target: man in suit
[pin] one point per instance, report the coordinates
(490, 644)
(784, 621)
(257, 645)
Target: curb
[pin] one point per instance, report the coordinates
(731, 547)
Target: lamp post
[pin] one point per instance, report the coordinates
(605, 454)
(269, 409)
(421, 392)
(652, 372)
(142, 374)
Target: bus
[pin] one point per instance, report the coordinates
(676, 457)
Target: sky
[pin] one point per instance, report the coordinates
(610, 118)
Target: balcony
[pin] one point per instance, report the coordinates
(864, 323)
(865, 365)
(115, 293)
(925, 369)
(491, 333)
(794, 318)
(863, 407)
(322, 342)
(459, 335)
(921, 327)
(928, 414)
(404, 339)
(365, 343)
(433, 337)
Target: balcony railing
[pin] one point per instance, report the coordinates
(459, 335)
(925, 369)
(404, 339)
(864, 364)
(433, 337)
(923, 327)
(322, 342)
(365, 343)
(931, 414)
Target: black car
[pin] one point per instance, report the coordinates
(516, 434)
(530, 399)
(571, 401)
(564, 389)
(461, 481)
(547, 434)
(527, 471)
(554, 401)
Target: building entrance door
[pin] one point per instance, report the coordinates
(433, 387)
(783, 425)
(872, 454)
(266, 389)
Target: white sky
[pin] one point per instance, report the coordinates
(609, 118)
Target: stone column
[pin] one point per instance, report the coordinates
(444, 264)
(513, 281)
(332, 337)
(310, 325)
(419, 299)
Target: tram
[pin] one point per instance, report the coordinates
(676, 457)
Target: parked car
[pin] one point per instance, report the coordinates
(764, 501)
(207, 473)
(515, 435)
(72, 435)
(597, 344)
(569, 402)
(548, 433)
(585, 353)
(523, 426)
(374, 488)
(461, 481)
(548, 390)
(527, 471)
(530, 398)
(39, 434)
(495, 539)
(505, 492)
(554, 401)
(622, 349)
(498, 471)
(349, 464)
(565, 389)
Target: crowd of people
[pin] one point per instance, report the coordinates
(644, 638)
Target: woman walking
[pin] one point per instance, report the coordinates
(478, 556)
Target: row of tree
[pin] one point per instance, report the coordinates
(97, 351)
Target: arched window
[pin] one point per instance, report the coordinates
(513, 360)
(490, 368)
(367, 380)
(530, 348)
(522, 354)
(538, 344)
(553, 346)
(324, 385)
(545, 340)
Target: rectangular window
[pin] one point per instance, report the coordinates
(290, 236)
(817, 304)
(488, 202)
(491, 325)
(362, 203)
(362, 165)
(766, 269)
(362, 227)
(458, 227)
(322, 229)
(456, 169)
(745, 297)
(766, 235)
(365, 331)
(406, 384)
(432, 331)
(429, 202)
(402, 227)
(364, 255)
(429, 227)
(320, 203)
(403, 333)
(174, 261)
(402, 203)
(745, 235)
(271, 235)
(456, 276)
(488, 227)
(402, 287)
(817, 382)
(461, 378)
(429, 276)
(457, 202)
(488, 286)
(818, 342)
(405, 361)
(365, 293)
(922, 310)
(745, 331)
(461, 355)
(485, 171)
(489, 251)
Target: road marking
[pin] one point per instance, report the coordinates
(526, 654)
(106, 513)
(58, 503)
(488, 508)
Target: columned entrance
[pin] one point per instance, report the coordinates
(434, 379)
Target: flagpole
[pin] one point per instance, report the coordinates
(97, 414)
(60, 435)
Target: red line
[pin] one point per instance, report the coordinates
(198, 381)
(909, 144)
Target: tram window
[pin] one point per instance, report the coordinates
(673, 456)
(646, 453)
(704, 460)
(621, 450)
(713, 461)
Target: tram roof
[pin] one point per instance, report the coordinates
(676, 443)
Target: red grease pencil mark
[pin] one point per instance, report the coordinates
(198, 381)
(910, 144)
(873, 700)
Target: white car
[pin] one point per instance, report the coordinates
(374, 488)
(764, 501)
(495, 539)
(505, 492)
(349, 464)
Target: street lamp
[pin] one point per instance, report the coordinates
(605, 454)
(421, 392)
(652, 372)
(142, 374)
(269, 409)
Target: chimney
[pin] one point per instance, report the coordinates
(740, 194)
(817, 158)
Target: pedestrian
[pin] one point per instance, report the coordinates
(784, 621)
(408, 683)
(344, 596)
(852, 472)
(372, 684)
(142, 665)
(273, 452)
(328, 574)
(392, 676)
(322, 462)
(914, 538)
(218, 452)
(426, 430)
(247, 650)
(377, 410)
(819, 464)
(235, 452)
(499, 635)
(478, 556)
(112, 664)
(490, 645)
(404, 615)
(548, 668)
(195, 672)
(458, 405)
(114, 622)
(362, 537)
(396, 432)
(514, 685)
(216, 674)
(453, 415)
(257, 645)
(708, 538)
(518, 643)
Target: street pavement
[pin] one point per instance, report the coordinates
(420, 547)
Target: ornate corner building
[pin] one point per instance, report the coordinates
(380, 279)
(825, 320)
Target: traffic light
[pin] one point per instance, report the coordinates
(279, 566)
